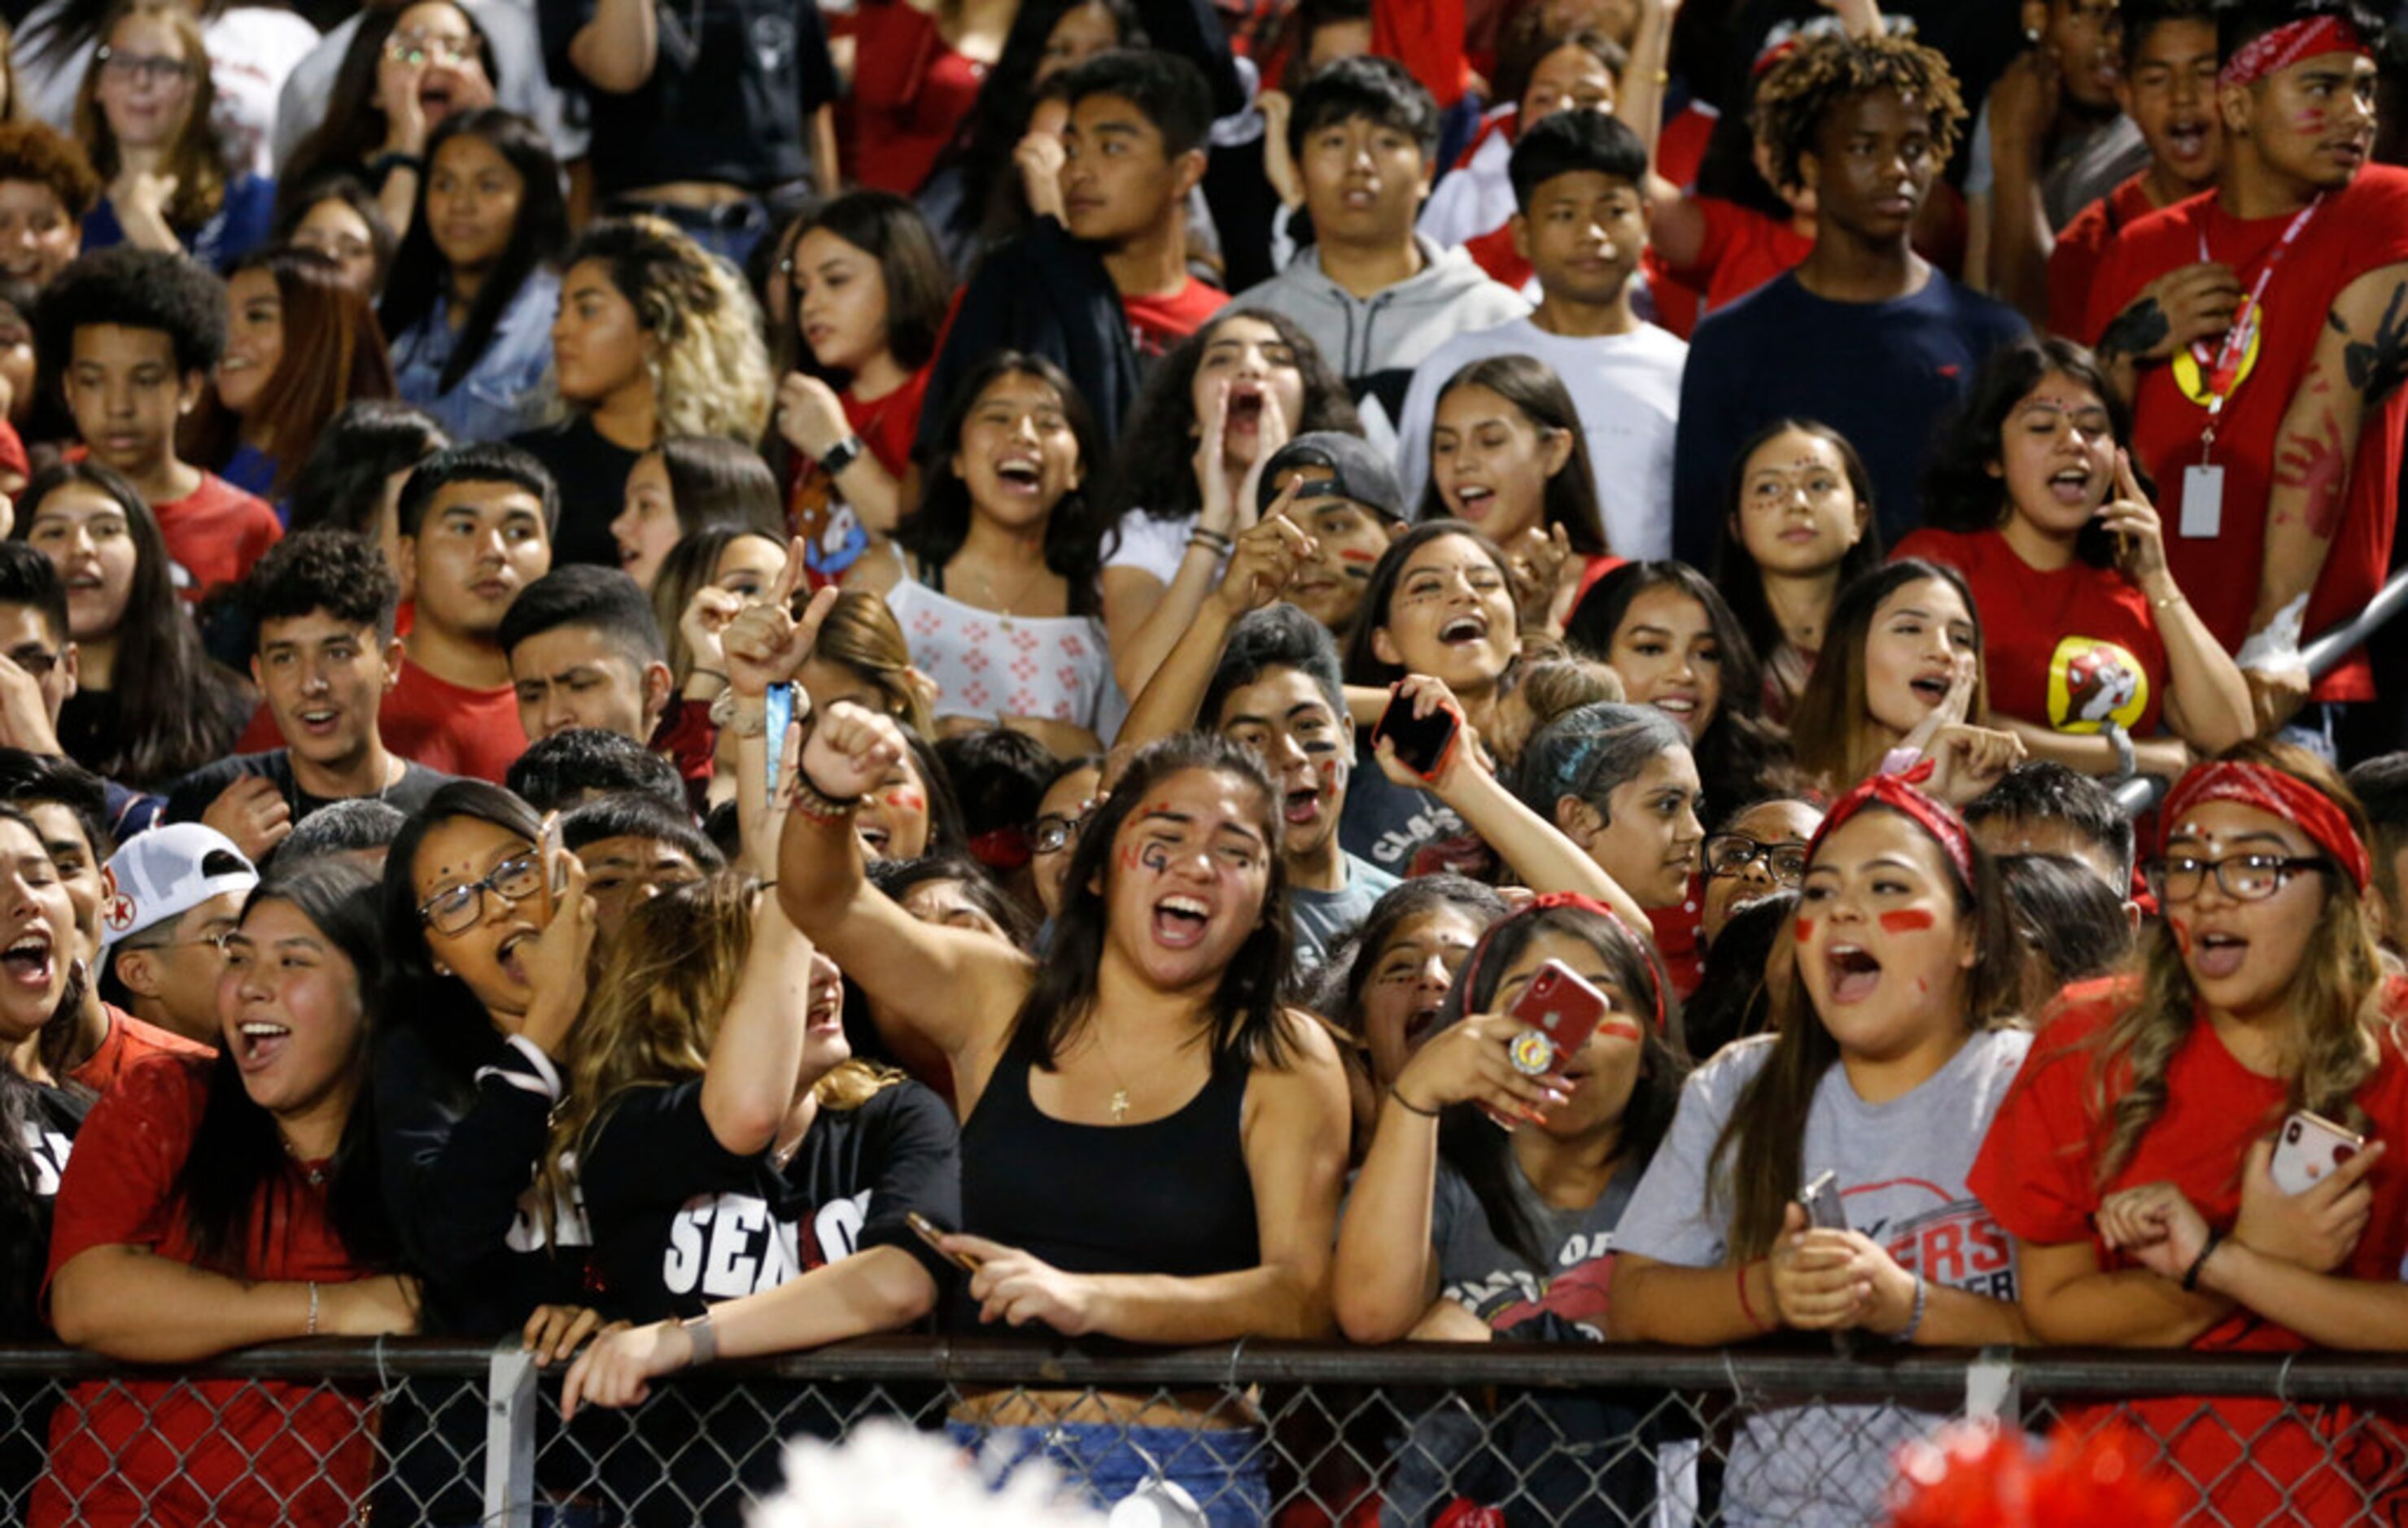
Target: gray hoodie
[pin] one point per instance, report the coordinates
(1375, 342)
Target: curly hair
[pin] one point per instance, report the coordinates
(323, 568)
(709, 368)
(38, 152)
(1802, 89)
(2328, 1045)
(133, 289)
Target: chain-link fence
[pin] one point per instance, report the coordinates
(1303, 1436)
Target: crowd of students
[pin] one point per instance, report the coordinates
(690, 681)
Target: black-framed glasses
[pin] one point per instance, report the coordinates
(2245, 877)
(149, 69)
(1055, 832)
(1731, 854)
(455, 909)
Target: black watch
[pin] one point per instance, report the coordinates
(841, 455)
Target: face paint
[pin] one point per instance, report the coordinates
(1906, 921)
(2182, 933)
(1154, 856)
(907, 801)
(1621, 1029)
(1355, 555)
(1805, 929)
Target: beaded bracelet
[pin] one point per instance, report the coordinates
(1915, 1320)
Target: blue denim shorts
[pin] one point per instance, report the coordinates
(1221, 1470)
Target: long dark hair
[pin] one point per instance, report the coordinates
(1963, 489)
(23, 1244)
(355, 126)
(1073, 537)
(1743, 754)
(237, 1169)
(1246, 1018)
(172, 711)
(537, 235)
(1363, 665)
(1757, 1164)
(441, 1007)
(890, 230)
(341, 482)
(1149, 474)
(1530, 385)
(1337, 992)
(1828, 727)
(1484, 1155)
(334, 353)
(1737, 574)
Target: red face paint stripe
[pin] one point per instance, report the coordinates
(1805, 929)
(1620, 1029)
(1906, 921)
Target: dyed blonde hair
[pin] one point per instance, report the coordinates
(708, 367)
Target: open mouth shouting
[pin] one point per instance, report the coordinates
(2216, 955)
(874, 838)
(1464, 631)
(319, 720)
(1244, 410)
(507, 954)
(2186, 140)
(1019, 472)
(1474, 501)
(1854, 972)
(2072, 485)
(1181, 922)
(1419, 1023)
(259, 1042)
(1301, 808)
(31, 962)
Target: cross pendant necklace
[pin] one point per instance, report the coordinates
(1120, 1105)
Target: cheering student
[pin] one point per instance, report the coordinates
(1883, 1071)
(2134, 1160)
(1753, 855)
(1349, 507)
(1106, 288)
(178, 891)
(2168, 88)
(1376, 298)
(1578, 180)
(689, 483)
(2283, 396)
(1867, 124)
(322, 603)
(1798, 527)
(212, 1205)
(1901, 682)
(2092, 646)
(1383, 985)
(40, 1112)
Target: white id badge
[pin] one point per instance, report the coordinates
(2203, 510)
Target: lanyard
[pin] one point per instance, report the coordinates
(2225, 372)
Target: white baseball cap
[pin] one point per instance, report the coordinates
(167, 872)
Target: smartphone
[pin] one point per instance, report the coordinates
(1562, 1006)
(779, 712)
(555, 870)
(1422, 742)
(2309, 1148)
(928, 1231)
(1820, 1197)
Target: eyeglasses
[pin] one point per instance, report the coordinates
(2245, 877)
(35, 661)
(449, 53)
(1731, 854)
(214, 941)
(147, 68)
(1055, 832)
(455, 909)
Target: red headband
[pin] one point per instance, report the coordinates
(2277, 794)
(1899, 794)
(2274, 51)
(1565, 899)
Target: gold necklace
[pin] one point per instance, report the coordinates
(1121, 1094)
(1001, 605)
(316, 1176)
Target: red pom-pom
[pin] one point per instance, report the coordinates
(1974, 1476)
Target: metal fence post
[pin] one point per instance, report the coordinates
(1992, 1393)
(509, 1435)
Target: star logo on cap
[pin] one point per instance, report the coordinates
(120, 912)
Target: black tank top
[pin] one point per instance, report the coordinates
(1170, 1197)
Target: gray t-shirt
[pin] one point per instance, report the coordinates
(1323, 918)
(1902, 1167)
(2082, 166)
(1502, 1287)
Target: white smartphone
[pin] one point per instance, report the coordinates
(1821, 1198)
(2310, 1148)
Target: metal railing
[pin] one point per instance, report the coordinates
(431, 1432)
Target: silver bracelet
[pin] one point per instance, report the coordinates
(740, 716)
(311, 1330)
(1914, 1320)
(704, 1337)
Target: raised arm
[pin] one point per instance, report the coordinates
(2207, 700)
(1265, 561)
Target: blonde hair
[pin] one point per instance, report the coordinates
(196, 159)
(2328, 1045)
(655, 1009)
(708, 367)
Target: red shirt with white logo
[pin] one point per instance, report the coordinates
(2069, 648)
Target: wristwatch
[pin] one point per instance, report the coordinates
(841, 455)
(704, 1337)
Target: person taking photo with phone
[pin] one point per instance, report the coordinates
(2260, 995)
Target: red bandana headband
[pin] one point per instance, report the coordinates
(1899, 794)
(2277, 794)
(2274, 51)
(1565, 899)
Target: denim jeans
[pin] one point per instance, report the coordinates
(1221, 1470)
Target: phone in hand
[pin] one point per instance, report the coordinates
(1563, 1006)
(929, 1231)
(1422, 743)
(549, 854)
(1820, 1199)
(2310, 1150)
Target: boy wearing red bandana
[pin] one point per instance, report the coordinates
(2262, 333)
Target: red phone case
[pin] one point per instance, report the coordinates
(1562, 1006)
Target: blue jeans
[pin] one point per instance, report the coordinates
(1220, 1469)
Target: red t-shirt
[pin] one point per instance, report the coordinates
(453, 730)
(1493, 252)
(2038, 1174)
(227, 1451)
(1675, 933)
(129, 1043)
(1743, 250)
(817, 513)
(2355, 230)
(2066, 650)
(12, 451)
(1157, 323)
(2082, 248)
(911, 94)
(216, 531)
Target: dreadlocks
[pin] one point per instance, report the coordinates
(1802, 89)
